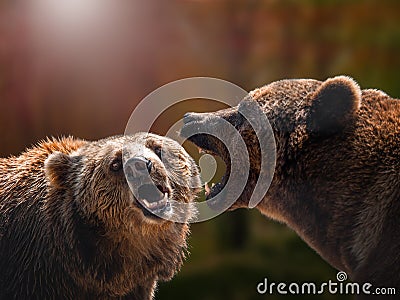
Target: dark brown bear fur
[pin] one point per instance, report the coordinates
(70, 227)
(337, 175)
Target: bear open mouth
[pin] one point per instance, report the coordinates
(206, 144)
(215, 188)
(153, 200)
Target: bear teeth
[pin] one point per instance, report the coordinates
(157, 204)
(207, 189)
(145, 202)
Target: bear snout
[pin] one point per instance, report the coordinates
(137, 167)
(191, 117)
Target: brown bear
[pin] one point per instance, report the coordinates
(337, 174)
(70, 227)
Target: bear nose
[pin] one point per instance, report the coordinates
(138, 165)
(189, 117)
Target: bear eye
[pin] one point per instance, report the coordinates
(116, 165)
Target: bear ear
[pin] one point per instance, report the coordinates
(334, 104)
(57, 167)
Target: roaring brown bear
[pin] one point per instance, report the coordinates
(70, 227)
(337, 174)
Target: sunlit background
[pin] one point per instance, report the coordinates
(79, 67)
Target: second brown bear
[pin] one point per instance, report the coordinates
(337, 175)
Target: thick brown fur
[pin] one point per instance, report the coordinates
(70, 227)
(337, 175)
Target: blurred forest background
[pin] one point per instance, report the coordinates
(79, 67)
